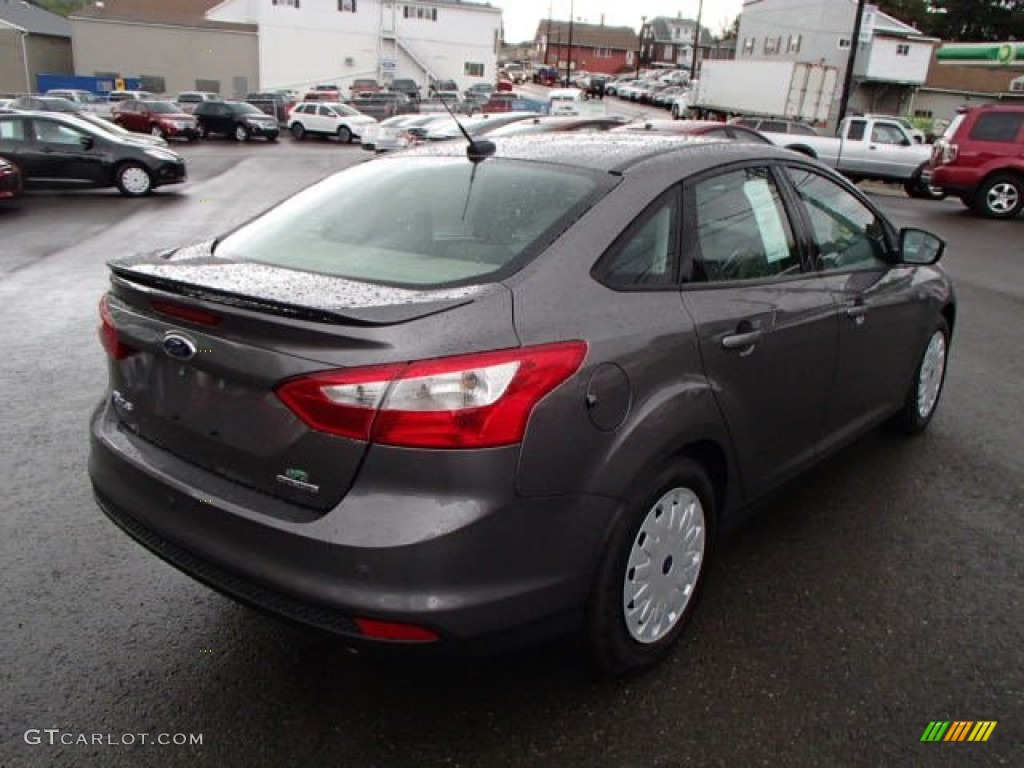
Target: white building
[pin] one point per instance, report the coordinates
(892, 57)
(306, 42)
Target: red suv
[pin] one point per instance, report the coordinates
(980, 157)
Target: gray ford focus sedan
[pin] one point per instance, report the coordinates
(454, 395)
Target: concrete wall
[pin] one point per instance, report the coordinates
(181, 55)
(45, 54)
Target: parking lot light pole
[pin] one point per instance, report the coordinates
(640, 45)
(568, 61)
(696, 41)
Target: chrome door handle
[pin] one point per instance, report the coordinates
(856, 311)
(741, 340)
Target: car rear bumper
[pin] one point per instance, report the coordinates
(469, 565)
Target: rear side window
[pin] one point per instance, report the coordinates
(998, 126)
(12, 130)
(645, 255)
(773, 126)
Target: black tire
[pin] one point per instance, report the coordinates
(1000, 197)
(612, 643)
(272, 137)
(200, 131)
(967, 199)
(133, 180)
(917, 189)
(344, 134)
(919, 406)
(298, 131)
(241, 133)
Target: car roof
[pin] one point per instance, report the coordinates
(608, 150)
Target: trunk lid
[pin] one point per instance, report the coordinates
(213, 338)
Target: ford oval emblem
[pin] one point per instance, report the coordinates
(179, 347)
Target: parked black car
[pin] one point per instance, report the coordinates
(235, 118)
(384, 104)
(63, 152)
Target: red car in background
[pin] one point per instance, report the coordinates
(980, 158)
(10, 180)
(158, 118)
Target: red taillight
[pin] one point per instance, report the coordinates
(108, 334)
(480, 400)
(390, 630)
(188, 314)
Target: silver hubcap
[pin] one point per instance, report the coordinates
(664, 563)
(1002, 198)
(930, 379)
(240, 133)
(156, 131)
(135, 180)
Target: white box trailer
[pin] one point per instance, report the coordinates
(796, 90)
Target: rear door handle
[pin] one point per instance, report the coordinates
(741, 340)
(856, 311)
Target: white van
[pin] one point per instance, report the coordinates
(565, 101)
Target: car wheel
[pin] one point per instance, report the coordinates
(154, 130)
(344, 134)
(200, 131)
(1001, 197)
(133, 180)
(241, 133)
(298, 131)
(652, 569)
(926, 387)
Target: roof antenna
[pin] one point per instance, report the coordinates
(477, 151)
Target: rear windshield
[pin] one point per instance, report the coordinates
(420, 222)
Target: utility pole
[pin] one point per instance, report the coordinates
(640, 46)
(850, 61)
(696, 41)
(568, 63)
(547, 37)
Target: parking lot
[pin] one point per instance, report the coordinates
(878, 593)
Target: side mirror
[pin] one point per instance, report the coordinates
(920, 247)
(86, 142)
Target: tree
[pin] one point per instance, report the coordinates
(961, 20)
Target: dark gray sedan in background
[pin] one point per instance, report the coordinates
(446, 396)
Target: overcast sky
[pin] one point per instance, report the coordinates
(521, 16)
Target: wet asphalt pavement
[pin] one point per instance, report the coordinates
(878, 593)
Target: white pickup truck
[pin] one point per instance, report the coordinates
(869, 148)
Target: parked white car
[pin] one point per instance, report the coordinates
(322, 118)
(565, 101)
(86, 101)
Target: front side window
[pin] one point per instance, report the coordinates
(420, 222)
(645, 255)
(847, 233)
(742, 230)
(856, 129)
(56, 133)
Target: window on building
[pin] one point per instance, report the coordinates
(602, 53)
(213, 86)
(748, 45)
(903, 49)
(421, 12)
(473, 69)
(289, 3)
(153, 83)
(667, 52)
(772, 44)
(793, 45)
(347, 6)
(844, 43)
